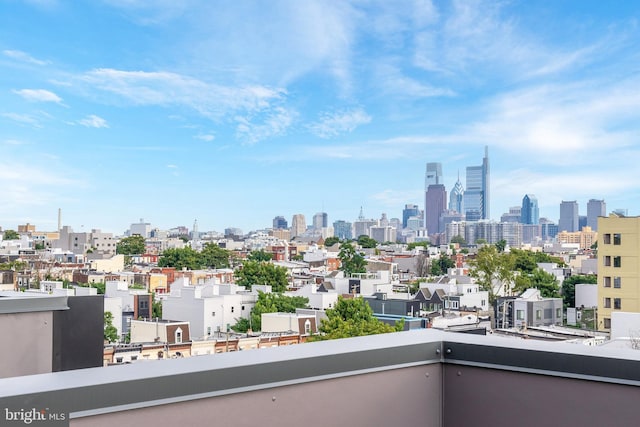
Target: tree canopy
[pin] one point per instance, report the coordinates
(260, 255)
(110, 331)
(351, 318)
(269, 303)
(569, 287)
(459, 240)
(262, 273)
(441, 265)
(413, 245)
(11, 235)
(211, 256)
(330, 241)
(351, 261)
(367, 242)
(132, 245)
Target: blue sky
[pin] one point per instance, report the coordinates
(235, 112)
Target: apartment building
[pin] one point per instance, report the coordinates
(618, 267)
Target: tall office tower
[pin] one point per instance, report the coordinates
(456, 197)
(362, 226)
(433, 176)
(195, 235)
(529, 213)
(279, 223)
(548, 229)
(435, 205)
(320, 220)
(342, 230)
(514, 214)
(298, 225)
(568, 216)
(595, 208)
(582, 222)
(142, 228)
(621, 212)
(476, 197)
(408, 212)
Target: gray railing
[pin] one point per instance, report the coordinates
(423, 377)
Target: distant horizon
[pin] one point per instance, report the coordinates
(234, 113)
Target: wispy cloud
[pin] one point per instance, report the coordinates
(23, 57)
(38, 95)
(274, 123)
(25, 119)
(205, 137)
(333, 124)
(14, 142)
(93, 121)
(174, 169)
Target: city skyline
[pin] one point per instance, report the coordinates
(233, 114)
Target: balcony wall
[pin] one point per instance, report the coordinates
(415, 378)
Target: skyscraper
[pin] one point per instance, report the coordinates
(529, 213)
(456, 197)
(433, 175)
(568, 216)
(595, 208)
(435, 205)
(298, 225)
(408, 212)
(342, 230)
(476, 197)
(279, 223)
(320, 220)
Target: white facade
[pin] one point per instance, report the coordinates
(586, 295)
(204, 307)
(287, 322)
(317, 300)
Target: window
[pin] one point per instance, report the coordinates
(617, 282)
(242, 308)
(538, 314)
(607, 323)
(617, 304)
(233, 309)
(454, 304)
(178, 335)
(617, 261)
(307, 327)
(606, 239)
(520, 314)
(607, 303)
(617, 238)
(209, 330)
(213, 314)
(607, 282)
(118, 359)
(558, 313)
(607, 261)
(548, 313)
(483, 302)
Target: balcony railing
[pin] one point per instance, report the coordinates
(414, 378)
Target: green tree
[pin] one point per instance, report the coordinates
(569, 287)
(262, 273)
(481, 242)
(213, 256)
(539, 279)
(411, 246)
(181, 258)
(330, 241)
(156, 307)
(488, 266)
(442, 265)
(260, 255)
(110, 331)
(459, 240)
(351, 261)
(100, 286)
(367, 242)
(11, 235)
(501, 245)
(269, 303)
(351, 318)
(132, 245)
(39, 246)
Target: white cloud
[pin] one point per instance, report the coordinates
(14, 142)
(93, 121)
(23, 56)
(272, 124)
(23, 119)
(205, 137)
(333, 124)
(38, 95)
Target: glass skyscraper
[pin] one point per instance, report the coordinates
(529, 213)
(476, 196)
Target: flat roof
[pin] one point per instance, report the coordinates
(25, 302)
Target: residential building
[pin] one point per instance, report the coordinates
(595, 209)
(529, 309)
(303, 324)
(569, 220)
(159, 331)
(619, 267)
(529, 213)
(381, 303)
(585, 238)
(514, 215)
